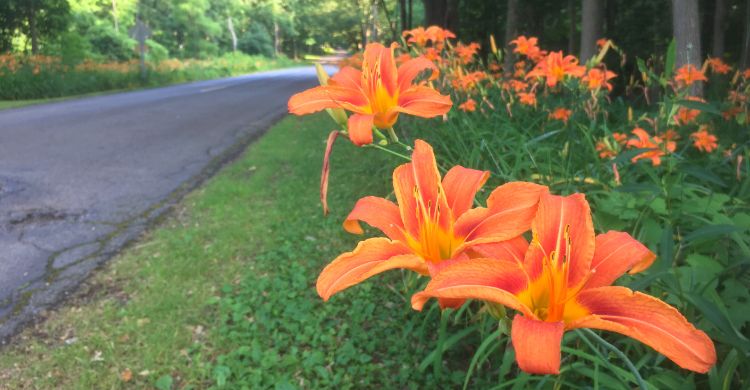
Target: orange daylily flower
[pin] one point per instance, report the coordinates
(527, 47)
(527, 98)
(433, 55)
(561, 114)
(469, 81)
(554, 67)
(470, 105)
(718, 66)
(601, 42)
(439, 35)
(517, 86)
(605, 150)
(467, 52)
(417, 36)
(686, 115)
(689, 74)
(746, 73)
(704, 141)
(563, 281)
(377, 94)
(671, 135)
(519, 69)
(433, 224)
(644, 141)
(608, 150)
(597, 78)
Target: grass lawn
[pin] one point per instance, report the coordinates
(221, 292)
(4, 104)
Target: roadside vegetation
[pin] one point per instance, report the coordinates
(663, 167)
(39, 77)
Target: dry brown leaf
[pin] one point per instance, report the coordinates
(126, 375)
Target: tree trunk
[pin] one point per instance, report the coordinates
(434, 12)
(275, 38)
(34, 32)
(720, 12)
(687, 36)
(591, 27)
(572, 26)
(402, 9)
(451, 15)
(230, 27)
(745, 57)
(114, 16)
(511, 31)
(411, 15)
(374, 21)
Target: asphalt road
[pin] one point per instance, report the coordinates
(81, 178)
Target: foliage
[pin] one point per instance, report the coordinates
(33, 77)
(256, 40)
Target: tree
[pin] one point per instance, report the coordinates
(720, 12)
(687, 37)
(443, 13)
(591, 27)
(745, 56)
(37, 19)
(572, 26)
(511, 31)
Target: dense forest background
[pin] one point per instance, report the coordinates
(103, 29)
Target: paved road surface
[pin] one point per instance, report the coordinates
(81, 178)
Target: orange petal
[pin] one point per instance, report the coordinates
(537, 344)
(369, 258)
(380, 67)
(360, 129)
(489, 280)
(379, 213)
(461, 185)
(347, 77)
(427, 184)
(511, 208)
(424, 102)
(326, 168)
(513, 249)
(555, 214)
(408, 71)
(403, 187)
(650, 321)
(329, 96)
(616, 253)
(388, 70)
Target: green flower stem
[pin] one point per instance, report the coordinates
(393, 135)
(376, 146)
(620, 354)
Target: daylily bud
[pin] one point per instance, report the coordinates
(338, 114)
(322, 74)
(493, 46)
(496, 310)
